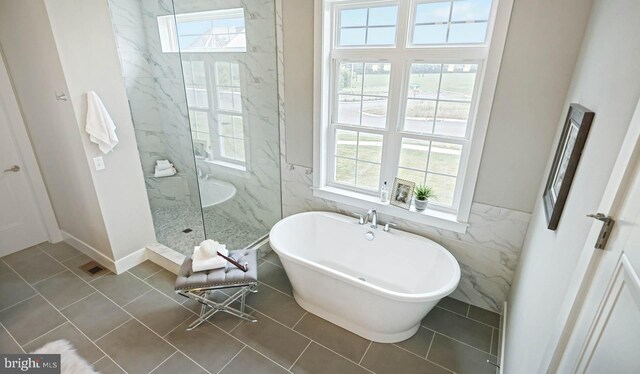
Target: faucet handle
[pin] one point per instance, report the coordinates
(361, 218)
(387, 226)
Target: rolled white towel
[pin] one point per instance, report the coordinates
(208, 264)
(165, 173)
(209, 248)
(164, 166)
(201, 253)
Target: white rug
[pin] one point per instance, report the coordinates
(71, 363)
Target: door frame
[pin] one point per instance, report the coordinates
(26, 154)
(590, 259)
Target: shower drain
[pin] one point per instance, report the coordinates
(362, 279)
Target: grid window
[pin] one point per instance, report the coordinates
(210, 31)
(199, 122)
(231, 137)
(195, 82)
(439, 98)
(228, 86)
(357, 159)
(363, 93)
(375, 26)
(433, 163)
(406, 109)
(451, 22)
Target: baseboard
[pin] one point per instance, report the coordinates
(503, 333)
(118, 267)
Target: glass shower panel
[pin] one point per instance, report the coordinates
(229, 65)
(155, 88)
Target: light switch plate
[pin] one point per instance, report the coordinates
(98, 163)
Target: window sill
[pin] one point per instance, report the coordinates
(225, 164)
(431, 217)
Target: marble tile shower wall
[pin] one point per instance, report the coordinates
(488, 253)
(156, 95)
(257, 202)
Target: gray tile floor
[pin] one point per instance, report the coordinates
(134, 323)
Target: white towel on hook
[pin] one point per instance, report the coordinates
(100, 126)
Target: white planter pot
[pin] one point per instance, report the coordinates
(421, 204)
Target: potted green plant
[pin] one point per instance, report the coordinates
(422, 194)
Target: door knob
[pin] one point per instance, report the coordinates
(14, 169)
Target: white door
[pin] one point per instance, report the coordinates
(605, 337)
(20, 222)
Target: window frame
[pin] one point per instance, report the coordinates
(328, 55)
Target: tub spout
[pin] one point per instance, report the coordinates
(374, 218)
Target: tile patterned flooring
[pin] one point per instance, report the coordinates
(134, 323)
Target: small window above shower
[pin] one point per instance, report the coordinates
(211, 31)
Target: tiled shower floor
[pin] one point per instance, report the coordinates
(169, 223)
(134, 323)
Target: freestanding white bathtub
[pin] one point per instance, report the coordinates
(379, 289)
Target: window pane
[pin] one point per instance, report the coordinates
(419, 116)
(451, 119)
(414, 153)
(238, 127)
(201, 121)
(368, 175)
(370, 147)
(239, 147)
(346, 143)
(237, 100)
(424, 80)
(383, 16)
(187, 72)
(235, 74)
(430, 34)
(433, 12)
(223, 73)
(353, 36)
(202, 97)
(198, 72)
(374, 111)
(458, 82)
(349, 109)
(445, 158)
(191, 96)
(226, 125)
(350, 79)
(353, 17)
(468, 32)
(414, 176)
(225, 98)
(376, 79)
(471, 10)
(381, 36)
(443, 187)
(345, 170)
(228, 147)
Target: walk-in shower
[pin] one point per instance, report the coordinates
(201, 78)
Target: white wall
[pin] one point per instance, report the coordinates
(34, 66)
(86, 45)
(607, 81)
(297, 24)
(538, 60)
(68, 46)
(540, 52)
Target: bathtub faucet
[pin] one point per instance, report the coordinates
(374, 218)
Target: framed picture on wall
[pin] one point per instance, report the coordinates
(402, 193)
(565, 162)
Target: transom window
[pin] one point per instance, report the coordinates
(401, 90)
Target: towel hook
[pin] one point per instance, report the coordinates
(61, 96)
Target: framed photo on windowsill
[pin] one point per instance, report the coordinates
(402, 193)
(565, 162)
